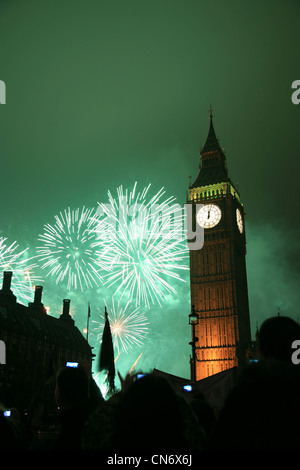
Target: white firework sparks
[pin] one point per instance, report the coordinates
(144, 244)
(68, 251)
(72, 311)
(23, 278)
(128, 325)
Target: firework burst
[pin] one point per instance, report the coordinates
(128, 325)
(147, 247)
(24, 277)
(72, 311)
(68, 251)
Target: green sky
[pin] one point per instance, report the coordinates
(104, 93)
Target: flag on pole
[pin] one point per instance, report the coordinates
(106, 359)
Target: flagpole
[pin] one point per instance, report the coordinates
(88, 319)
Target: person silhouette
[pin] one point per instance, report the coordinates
(275, 338)
(148, 417)
(72, 398)
(262, 410)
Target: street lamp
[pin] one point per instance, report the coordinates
(193, 320)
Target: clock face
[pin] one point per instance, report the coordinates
(239, 221)
(209, 216)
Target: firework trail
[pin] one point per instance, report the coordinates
(131, 370)
(24, 277)
(145, 244)
(128, 325)
(68, 250)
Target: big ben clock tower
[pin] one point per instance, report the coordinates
(218, 276)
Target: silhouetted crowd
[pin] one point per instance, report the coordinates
(262, 411)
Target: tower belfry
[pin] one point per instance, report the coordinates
(218, 270)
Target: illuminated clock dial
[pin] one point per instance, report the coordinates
(239, 221)
(209, 216)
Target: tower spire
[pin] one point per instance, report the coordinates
(212, 143)
(213, 168)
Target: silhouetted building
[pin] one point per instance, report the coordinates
(37, 345)
(218, 270)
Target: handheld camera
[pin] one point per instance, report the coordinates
(71, 364)
(139, 376)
